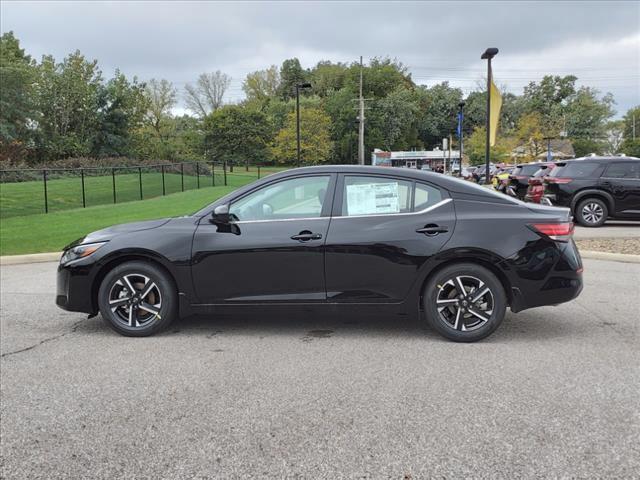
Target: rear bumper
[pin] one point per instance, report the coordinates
(549, 274)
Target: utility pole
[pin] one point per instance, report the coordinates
(634, 126)
(460, 134)
(361, 122)
(488, 55)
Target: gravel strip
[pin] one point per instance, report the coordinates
(612, 245)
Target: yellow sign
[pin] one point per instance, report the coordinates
(496, 104)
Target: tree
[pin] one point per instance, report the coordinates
(161, 98)
(291, 74)
(530, 136)
(262, 84)
(614, 137)
(548, 98)
(17, 106)
(236, 134)
(121, 107)
(439, 112)
(327, 77)
(475, 148)
(315, 140)
(587, 114)
(397, 114)
(206, 96)
(67, 99)
(631, 144)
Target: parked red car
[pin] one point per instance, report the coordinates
(535, 190)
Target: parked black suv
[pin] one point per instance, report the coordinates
(596, 188)
(519, 179)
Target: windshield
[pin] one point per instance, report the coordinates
(526, 170)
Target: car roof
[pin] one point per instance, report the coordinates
(453, 184)
(600, 160)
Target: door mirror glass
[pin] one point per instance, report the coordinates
(220, 215)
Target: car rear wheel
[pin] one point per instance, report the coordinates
(137, 299)
(591, 212)
(464, 302)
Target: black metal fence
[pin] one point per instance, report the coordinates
(30, 191)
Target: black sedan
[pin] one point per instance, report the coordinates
(402, 240)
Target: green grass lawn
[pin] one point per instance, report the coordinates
(27, 198)
(51, 232)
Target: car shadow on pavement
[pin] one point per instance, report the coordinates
(529, 326)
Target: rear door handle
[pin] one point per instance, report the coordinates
(305, 236)
(432, 230)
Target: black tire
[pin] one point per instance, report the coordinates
(160, 298)
(591, 212)
(442, 301)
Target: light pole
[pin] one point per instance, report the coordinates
(488, 54)
(298, 87)
(460, 133)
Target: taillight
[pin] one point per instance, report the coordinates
(560, 232)
(558, 180)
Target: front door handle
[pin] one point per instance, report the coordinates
(432, 230)
(306, 235)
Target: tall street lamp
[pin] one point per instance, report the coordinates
(488, 54)
(460, 133)
(298, 87)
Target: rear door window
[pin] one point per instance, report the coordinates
(526, 170)
(368, 195)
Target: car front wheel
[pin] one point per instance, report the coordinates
(464, 302)
(591, 212)
(137, 299)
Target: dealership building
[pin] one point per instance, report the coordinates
(416, 159)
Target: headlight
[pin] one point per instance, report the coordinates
(80, 251)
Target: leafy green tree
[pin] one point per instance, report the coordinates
(587, 114)
(630, 145)
(396, 115)
(236, 134)
(586, 146)
(315, 140)
(17, 106)
(475, 148)
(439, 112)
(548, 98)
(327, 77)
(121, 108)
(67, 96)
(291, 74)
(262, 85)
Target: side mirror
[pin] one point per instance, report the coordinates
(220, 215)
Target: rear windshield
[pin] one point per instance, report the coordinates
(578, 169)
(526, 169)
(542, 172)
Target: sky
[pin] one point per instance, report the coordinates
(599, 42)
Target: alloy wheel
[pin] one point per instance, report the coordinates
(592, 212)
(135, 300)
(464, 303)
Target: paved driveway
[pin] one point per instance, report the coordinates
(611, 229)
(553, 393)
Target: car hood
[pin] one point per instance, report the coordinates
(110, 232)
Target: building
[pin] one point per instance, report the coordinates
(416, 159)
(561, 149)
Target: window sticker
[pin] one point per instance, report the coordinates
(372, 198)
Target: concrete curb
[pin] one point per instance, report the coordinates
(612, 257)
(55, 256)
(30, 258)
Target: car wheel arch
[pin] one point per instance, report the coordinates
(114, 261)
(480, 261)
(600, 194)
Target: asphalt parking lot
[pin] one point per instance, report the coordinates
(611, 229)
(553, 393)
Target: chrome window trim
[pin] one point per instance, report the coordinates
(240, 222)
(373, 215)
(428, 209)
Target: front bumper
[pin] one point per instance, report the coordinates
(74, 288)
